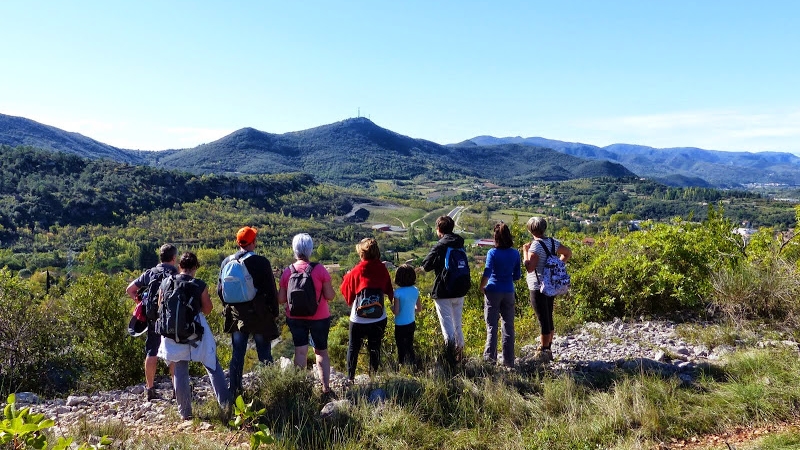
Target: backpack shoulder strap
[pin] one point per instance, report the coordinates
(544, 246)
(174, 280)
(245, 256)
(292, 269)
(553, 245)
(157, 271)
(164, 288)
(310, 268)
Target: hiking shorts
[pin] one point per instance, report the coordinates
(153, 341)
(318, 329)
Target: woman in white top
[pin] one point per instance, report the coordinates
(534, 256)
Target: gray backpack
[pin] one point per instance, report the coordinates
(301, 293)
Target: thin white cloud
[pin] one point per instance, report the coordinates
(123, 133)
(712, 129)
(761, 132)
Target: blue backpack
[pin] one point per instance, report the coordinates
(456, 272)
(236, 281)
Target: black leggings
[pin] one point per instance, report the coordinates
(543, 306)
(374, 334)
(404, 339)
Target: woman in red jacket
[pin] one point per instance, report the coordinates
(364, 289)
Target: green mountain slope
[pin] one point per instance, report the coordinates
(358, 151)
(17, 131)
(39, 189)
(681, 166)
(353, 151)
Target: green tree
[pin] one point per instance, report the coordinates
(661, 269)
(110, 254)
(99, 312)
(33, 338)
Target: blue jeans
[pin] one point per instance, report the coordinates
(183, 389)
(238, 349)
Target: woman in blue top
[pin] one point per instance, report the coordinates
(497, 286)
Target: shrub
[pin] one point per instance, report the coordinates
(99, 312)
(662, 269)
(33, 336)
(288, 402)
(758, 289)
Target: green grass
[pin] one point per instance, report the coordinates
(714, 335)
(507, 215)
(789, 440)
(394, 215)
(482, 406)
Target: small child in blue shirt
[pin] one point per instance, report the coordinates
(404, 306)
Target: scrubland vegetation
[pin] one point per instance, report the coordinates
(63, 309)
(71, 337)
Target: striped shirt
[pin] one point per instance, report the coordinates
(536, 247)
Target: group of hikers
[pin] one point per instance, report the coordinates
(172, 303)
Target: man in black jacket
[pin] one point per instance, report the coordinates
(448, 306)
(255, 317)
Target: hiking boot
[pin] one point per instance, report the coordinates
(543, 355)
(150, 394)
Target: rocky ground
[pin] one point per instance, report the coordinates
(593, 348)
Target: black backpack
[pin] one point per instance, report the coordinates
(301, 293)
(148, 294)
(456, 272)
(369, 303)
(177, 312)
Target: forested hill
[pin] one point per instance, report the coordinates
(40, 188)
(19, 131)
(683, 166)
(353, 151)
(358, 151)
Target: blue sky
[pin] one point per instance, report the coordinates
(153, 75)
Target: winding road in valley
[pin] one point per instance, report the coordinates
(455, 213)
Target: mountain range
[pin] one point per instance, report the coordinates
(357, 151)
(680, 166)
